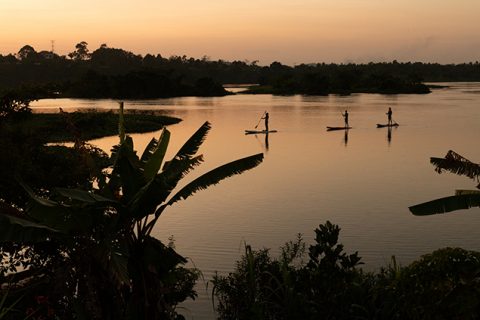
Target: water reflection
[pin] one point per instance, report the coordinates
(389, 133)
(265, 144)
(345, 135)
(364, 188)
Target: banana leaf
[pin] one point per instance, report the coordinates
(126, 170)
(63, 217)
(447, 204)
(153, 155)
(460, 192)
(113, 258)
(83, 196)
(190, 148)
(156, 191)
(17, 229)
(216, 175)
(457, 164)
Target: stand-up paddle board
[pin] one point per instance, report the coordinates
(259, 131)
(387, 125)
(338, 128)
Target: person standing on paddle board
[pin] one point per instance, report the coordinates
(389, 115)
(345, 116)
(266, 117)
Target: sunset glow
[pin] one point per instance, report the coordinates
(288, 31)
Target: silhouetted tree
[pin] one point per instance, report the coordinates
(27, 52)
(81, 52)
(10, 58)
(115, 59)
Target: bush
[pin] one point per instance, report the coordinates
(12, 106)
(330, 285)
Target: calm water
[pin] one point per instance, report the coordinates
(364, 182)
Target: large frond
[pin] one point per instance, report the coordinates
(156, 191)
(66, 218)
(113, 258)
(216, 175)
(149, 149)
(21, 230)
(178, 169)
(126, 173)
(83, 196)
(461, 191)
(154, 154)
(447, 204)
(457, 164)
(190, 148)
(16, 226)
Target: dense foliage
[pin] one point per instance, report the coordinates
(27, 135)
(104, 73)
(330, 284)
(87, 252)
(321, 79)
(116, 73)
(28, 156)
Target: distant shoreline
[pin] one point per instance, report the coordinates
(265, 89)
(119, 74)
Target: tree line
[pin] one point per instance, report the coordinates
(117, 73)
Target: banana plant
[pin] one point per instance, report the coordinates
(462, 199)
(105, 233)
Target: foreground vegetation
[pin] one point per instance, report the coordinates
(76, 243)
(328, 284)
(42, 166)
(324, 282)
(87, 252)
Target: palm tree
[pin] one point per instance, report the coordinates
(105, 254)
(463, 199)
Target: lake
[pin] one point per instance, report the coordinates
(363, 180)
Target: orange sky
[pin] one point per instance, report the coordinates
(289, 31)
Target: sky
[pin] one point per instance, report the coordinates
(288, 31)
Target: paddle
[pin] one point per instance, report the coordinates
(260, 119)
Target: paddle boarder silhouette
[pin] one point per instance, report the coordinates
(266, 117)
(345, 116)
(389, 115)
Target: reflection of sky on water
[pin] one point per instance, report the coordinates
(364, 179)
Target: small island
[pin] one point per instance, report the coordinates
(92, 124)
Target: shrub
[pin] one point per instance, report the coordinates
(330, 285)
